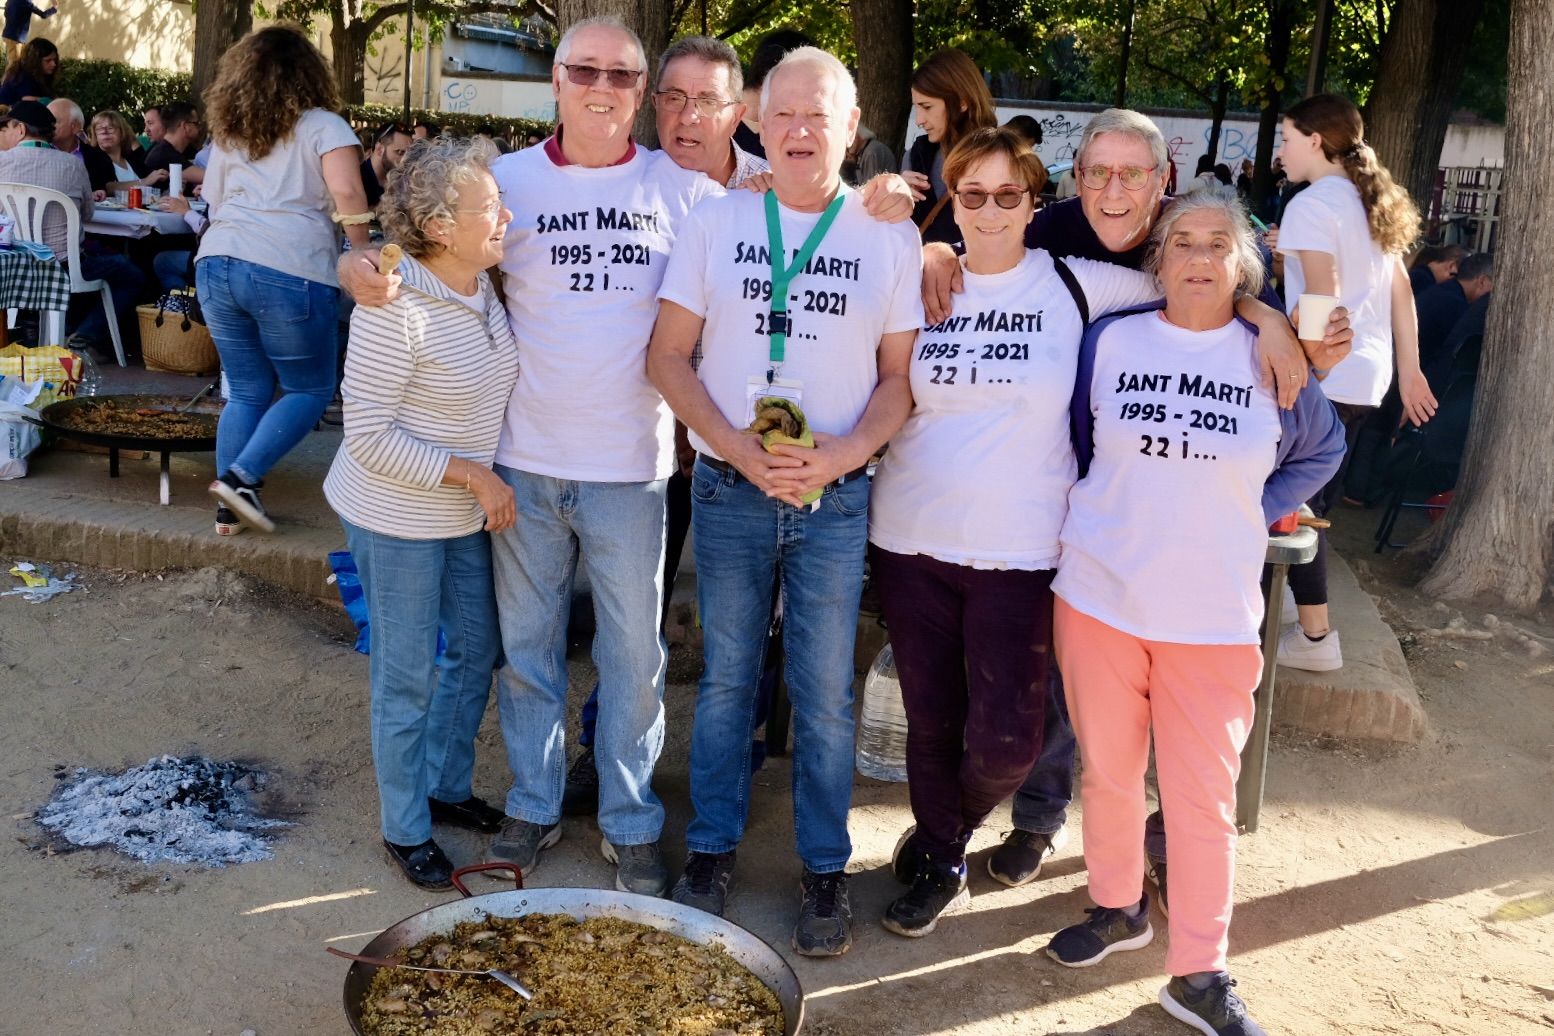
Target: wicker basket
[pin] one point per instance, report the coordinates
(171, 348)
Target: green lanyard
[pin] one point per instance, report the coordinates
(777, 325)
(37, 143)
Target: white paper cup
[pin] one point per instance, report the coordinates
(1314, 311)
(175, 178)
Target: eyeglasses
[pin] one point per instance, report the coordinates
(1004, 197)
(674, 102)
(390, 129)
(1132, 177)
(491, 211)
(588, 75)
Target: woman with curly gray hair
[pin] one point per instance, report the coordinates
(427, 380)
(1185, 460)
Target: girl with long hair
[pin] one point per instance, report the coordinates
(1345, 235)
(949, 100)
(284, 168)
(31, 77)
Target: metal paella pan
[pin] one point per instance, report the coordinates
(696, 926)
(111, 421)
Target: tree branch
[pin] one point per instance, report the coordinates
(1188, 84)
(373, 22)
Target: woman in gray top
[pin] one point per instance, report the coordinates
(282, 164)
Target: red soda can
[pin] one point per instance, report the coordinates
(134, 197)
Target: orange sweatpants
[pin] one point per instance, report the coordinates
(1198, 700)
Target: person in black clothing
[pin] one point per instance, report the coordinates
(775, 44)
(18, 22)
(179, 144)
(390, 143)
(949, 100)
(1028, 129)
(30, 76)
(114, 161)
(1433, 265)
(1440, 307)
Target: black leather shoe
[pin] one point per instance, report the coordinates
(425, 865)
(473, 813)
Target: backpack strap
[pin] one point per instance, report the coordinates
(1072, 284)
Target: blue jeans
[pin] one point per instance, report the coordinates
(124, 281)
(1041, 804)
(743, 542)
(616, 531)
(270, 328)
(171, 270)
(424, 721)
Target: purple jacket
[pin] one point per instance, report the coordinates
(1311, 440)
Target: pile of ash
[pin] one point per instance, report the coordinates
(191, 810)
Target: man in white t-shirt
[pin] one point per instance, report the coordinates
(839, 348)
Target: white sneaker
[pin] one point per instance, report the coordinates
(1290, 615)
(1298, 651)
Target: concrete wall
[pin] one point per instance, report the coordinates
(147, 35)
(1186, 133)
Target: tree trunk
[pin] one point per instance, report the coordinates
(1420, 70)
(217, 25)
(649, 19)
(1217, 116)
(1497, 538)
(1124, 56)
(1281, 23)
(882, 32)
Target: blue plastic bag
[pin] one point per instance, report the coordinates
(348, 582)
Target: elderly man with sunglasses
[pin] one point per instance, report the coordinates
(1121, 168)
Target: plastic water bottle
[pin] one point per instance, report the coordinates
(91, 376)
(882, 734)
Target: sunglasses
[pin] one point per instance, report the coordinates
(1004, 197)
(1132, 177)
(588, 75)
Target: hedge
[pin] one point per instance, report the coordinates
(367, 117)
(97, 85)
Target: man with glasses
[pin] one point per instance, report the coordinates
(391, 142)
(179, 143)
(587, 446)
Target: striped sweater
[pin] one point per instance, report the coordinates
(426, 379)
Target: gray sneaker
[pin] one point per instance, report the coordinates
(825, 927)
(1103, 933)
(638, 868)
(704, 885)
(519, 843)
(1216, 1011)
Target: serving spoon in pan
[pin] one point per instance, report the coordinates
(383, 962)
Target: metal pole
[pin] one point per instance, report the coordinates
(1321, 33)
(409, 53)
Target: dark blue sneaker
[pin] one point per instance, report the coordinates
(1108, 930)
(1216, 1011)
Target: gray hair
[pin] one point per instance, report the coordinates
(601, 21)
(72, 109)
(844, 92)
(1129, 123)
(706, 48)
(425, 188)
(1249, 260)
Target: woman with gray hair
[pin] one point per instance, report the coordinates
(427, 380)
(1185, 460)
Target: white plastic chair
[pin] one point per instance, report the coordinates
(26, 205)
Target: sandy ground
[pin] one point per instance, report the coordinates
(1389, 891)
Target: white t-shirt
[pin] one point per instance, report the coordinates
(582, 263)
(1329, 217)
(1165, 535)
(275, 211)
(980, 473)
(863, 282)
